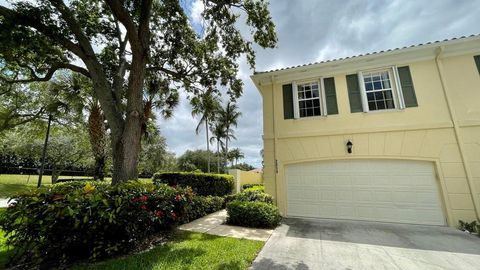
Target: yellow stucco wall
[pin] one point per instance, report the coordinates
(245, 177)
(425, 132)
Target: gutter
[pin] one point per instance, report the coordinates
(274, 138)
(471, 185)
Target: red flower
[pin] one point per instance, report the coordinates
(178, 198)
(144, 198)
(158, 213)
(143, 206)
(174, 216)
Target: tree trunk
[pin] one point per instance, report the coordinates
(226, 151)
(208, 147)
(55, 175)
(218, 156)
(127, 142)
(99, 171)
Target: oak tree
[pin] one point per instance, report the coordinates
(122, 44)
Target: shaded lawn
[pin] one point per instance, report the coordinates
(3, 246)
(189, 250)
(10, 184)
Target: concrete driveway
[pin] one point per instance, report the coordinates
(330, 244)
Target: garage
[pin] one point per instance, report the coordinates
(401, 191)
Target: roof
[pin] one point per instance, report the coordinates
(437, 42)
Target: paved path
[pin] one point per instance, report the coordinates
(3, 202)
(332, 244)
(215, 224)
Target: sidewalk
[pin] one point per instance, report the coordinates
(214, 224)
(3, 203)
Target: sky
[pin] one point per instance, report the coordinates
(315, 30)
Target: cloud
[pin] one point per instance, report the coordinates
(313, 30)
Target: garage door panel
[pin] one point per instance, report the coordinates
(381, 190)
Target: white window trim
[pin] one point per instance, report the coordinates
(321, 92)
(398, 100)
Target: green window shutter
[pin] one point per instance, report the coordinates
(330, 95)
(354, 95)
(287, 101)
(407, 87)
(477, 61)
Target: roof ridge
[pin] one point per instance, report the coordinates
(368, 53)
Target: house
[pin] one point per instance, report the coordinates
(390, 136)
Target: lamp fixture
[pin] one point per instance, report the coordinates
(349, 146)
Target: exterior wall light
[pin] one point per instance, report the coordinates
(349, 146)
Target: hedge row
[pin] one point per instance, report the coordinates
(252, 208)
(202, 206)
(204, 184)
(77, 221)
(253, 214)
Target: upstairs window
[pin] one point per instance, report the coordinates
(379, 90)
(308, 96)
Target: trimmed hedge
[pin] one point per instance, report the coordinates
(255, 188)
(203, 184)
(74, 221)
(245, 186)
(253, 214)
(202, 206)
(250, 196)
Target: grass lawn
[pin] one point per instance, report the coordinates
(14, 183)
(189, 250)
(3, 246)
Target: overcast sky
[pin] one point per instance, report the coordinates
(313, 30)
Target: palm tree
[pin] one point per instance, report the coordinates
(234, 155)
(218, 133)
(98, 138)
(206, 105)
(229, 117)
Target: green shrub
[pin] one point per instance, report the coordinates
(245, 186)
(203, 184)
(76, 221)
(250, 196)
(253, 214)
(202, 206)
(255, 188)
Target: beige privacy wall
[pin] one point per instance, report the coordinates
(245, 177)
(424, 133)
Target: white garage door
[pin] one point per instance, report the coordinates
(379, 190)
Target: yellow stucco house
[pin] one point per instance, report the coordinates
(391, 136)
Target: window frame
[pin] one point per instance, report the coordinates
(398, 101)
(321, 97)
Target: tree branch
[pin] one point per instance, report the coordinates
(51, 33)
(122, 15)
(35, 78)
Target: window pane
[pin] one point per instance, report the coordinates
(380, 105)
(302, 104)
(371, 106)
(390, 104)
(370, 96)
(379, 95)
(308, 94)
(388, 94)
(377, 85)
(368, 86)
(302, 113)
(316, 103)
(315, 93)
(301, 95)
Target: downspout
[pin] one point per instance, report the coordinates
(272, 80)
(456, 128)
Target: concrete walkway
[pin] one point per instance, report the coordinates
(3, 203)
(333, 244)
(215, 224)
